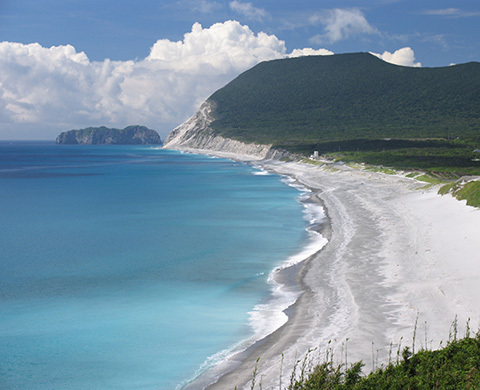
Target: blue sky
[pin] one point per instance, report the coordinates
(76, 63)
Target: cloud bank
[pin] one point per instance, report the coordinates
(47, 90)
(58, 88)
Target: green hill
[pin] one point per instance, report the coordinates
(359, 106)
(347, 96)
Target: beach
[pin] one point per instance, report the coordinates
(401, 268)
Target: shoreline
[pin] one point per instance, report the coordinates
(286, 280)
(397, 256)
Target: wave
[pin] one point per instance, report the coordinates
(260, 171)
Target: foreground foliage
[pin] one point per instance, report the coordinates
(456, 366)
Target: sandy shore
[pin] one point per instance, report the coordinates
(396, 253)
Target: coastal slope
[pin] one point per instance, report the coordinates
(131, 135)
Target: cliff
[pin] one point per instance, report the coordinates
(131, 135)
(197, 134)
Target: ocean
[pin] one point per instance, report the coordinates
(133, 267)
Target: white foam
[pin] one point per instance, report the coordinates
(315, 243)
(260, 171)
(314, 213)
(267, 317)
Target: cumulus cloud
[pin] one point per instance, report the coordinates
(224, 47)
(248, 10)
(340, 24)
(61, 88)
(404, 57)
(309, 52)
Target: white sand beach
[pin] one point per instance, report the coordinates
(397, 254)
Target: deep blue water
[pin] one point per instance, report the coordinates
(126, 267)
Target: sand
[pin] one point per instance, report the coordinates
(398, 255)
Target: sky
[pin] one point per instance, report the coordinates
(70, 64)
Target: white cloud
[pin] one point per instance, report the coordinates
(196, 6)
(205, 6)
(452, 12)
(248, 10)
(57, 88)
(340, 24)
(404, 57)
(224, 47)
(309, 52)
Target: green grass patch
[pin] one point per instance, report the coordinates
(445, 189)
(413, 175)
(387, 171)
(310, 161)
(429, 179)
(470, 192)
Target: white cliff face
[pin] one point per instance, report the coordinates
(196, 135)
(184, 135)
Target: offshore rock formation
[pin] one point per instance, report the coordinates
(196, 134)
(131, 135)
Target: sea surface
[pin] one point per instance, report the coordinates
(133, 267)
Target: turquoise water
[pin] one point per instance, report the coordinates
(127, 267)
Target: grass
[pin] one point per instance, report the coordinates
(387, 171)
(429, 179)
(469, 191)
(453, 367)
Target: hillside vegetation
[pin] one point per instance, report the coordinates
(454, 366)
(359, 106)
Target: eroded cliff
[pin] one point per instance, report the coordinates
(195, 134)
